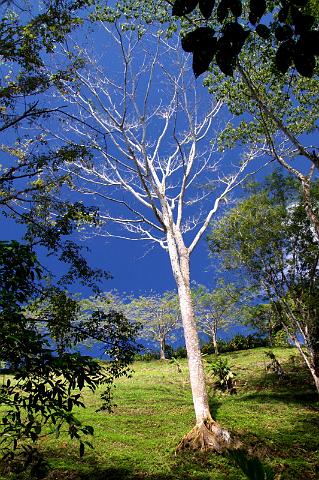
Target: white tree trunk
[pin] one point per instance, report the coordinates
(179, 258)
(206, 434)
(162, 348)
(214, 338)
(309, 361)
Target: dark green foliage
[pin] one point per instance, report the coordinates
(146, 357)
(35, 343)
(180, 352)
(269, 238)
(206, 7)
(238, 342)
(263, 31)
(286, 21)
(241, 342)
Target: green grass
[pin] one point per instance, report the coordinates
(276, 420)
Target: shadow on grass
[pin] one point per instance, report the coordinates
(307, 398)
(214, 404)
(251, 466)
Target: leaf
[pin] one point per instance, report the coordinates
(303, 23)
(257, 8)
(284, 55)
(222, 10)
(183, 7)
(198, 39)
(309, 42)
(283, 32)
(263, 31)
(236, 7)
(206, 7)
(203, 56)
(235, 35)
(305, 64)
(283, 13)
(226, 62)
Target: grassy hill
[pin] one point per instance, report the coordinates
(276, 419)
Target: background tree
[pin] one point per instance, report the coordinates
(264, 318)
(216, 309)
(269, 237)
(277, 114)
(152, 170)
(159, 316)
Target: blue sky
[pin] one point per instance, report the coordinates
(134, 265)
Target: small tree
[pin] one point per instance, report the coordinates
(217, 308)
(159, 316)
(269, 237)
(35, 343)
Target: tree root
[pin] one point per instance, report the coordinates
(207, 436)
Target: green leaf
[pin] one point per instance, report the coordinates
(257, 8)
(183, 7)
(263, 31)
(206, 7)
(285, 55)
(305, 64)
(198, 39)
(236, 7)
(283, 32)
(222, 10)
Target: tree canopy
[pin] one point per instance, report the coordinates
(269, 238)
(223, 27)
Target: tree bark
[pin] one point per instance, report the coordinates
(214, 339)
(309, 361)
(206, 434)
(162, 349)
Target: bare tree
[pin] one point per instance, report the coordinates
(154, 165)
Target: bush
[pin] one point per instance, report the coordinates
(280, 339)
(180, 352)
(208, 349)
(238, 342)
(225, 376)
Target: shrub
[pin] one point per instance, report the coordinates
(208, 349)
(225, 376)
(169, 351)
(180, 352)
(280, 339)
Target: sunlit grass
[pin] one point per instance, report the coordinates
(276, 420)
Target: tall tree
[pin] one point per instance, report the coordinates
(269, 237)
(153, 169)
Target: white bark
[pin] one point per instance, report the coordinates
(179, 257)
